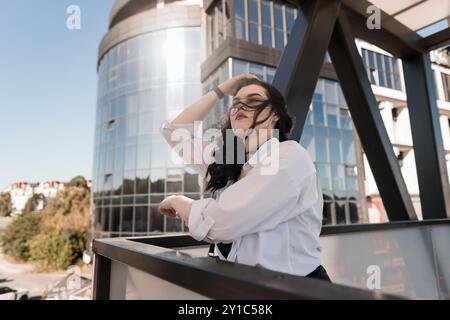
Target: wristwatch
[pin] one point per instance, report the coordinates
(219, 92)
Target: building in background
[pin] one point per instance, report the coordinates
(22, 191)
(148, 71)
(160, 56)
(386, 75)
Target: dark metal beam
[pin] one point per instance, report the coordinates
(436, 40)
(102, 276)
(427, 137)
(302, 59)
(393, 36)
(368, 122)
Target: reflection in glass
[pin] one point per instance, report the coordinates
(141, 219)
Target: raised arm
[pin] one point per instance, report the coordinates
(199, 109)
(180, 132)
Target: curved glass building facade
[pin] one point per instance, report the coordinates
(142, 81)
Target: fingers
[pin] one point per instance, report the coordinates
(249, 76)
(168, 212)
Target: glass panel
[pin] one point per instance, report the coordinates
(279, 39)
(332, 116)
(174, 186)
(290, 19)
(351, 183)
(319, 118)
(240, 10)
(265, 13)
(278, 16)
(346, 121)
(128, 200)
(338, 177)
(144, 123)
(381, 75)
(321, 144)
(240, 29)
(130, 158)
(156, 219)
(267, 36)
(127, 219)
(115, 227)
(143, 156)
(335, 145)
(270, 74)
(371, 59)
(141, 219)
(142, 181)
(239, 67)
(253, 10)
(191, 182)
(254, 36)
(331, 91)
(348, 147)
(157, 178)
(323, 170)
(257, 69)
(128, 182)
(327, 212)
(340, 212)
(141, 199)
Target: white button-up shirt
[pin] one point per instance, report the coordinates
(272, 219)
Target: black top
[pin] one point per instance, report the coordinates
(223, 247)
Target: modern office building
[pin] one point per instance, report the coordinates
(148, 70)
(160, 56)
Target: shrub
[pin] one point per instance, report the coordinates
(5, 204)
(16, 237)
(57, 249)
(56, 237)
(64, 229)
(32, 203)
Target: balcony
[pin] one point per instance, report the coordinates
(408, 260)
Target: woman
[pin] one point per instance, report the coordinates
(259, 217)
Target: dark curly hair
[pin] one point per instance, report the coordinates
(221, 173)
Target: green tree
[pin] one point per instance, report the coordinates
(57, 236)
(78, 182)
(32, 203)
(64, 229)
(5, 204)
(16, 238)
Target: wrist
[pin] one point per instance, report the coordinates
(219, 92)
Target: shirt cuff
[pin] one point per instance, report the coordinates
(198, 223)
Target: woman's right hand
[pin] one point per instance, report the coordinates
(230, 86)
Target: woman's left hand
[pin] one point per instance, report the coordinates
(166, 207)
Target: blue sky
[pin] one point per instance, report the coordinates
(48, 86)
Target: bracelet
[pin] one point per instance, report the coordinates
(219, 92)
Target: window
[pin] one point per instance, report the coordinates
(290, 19)
(240, 19)
(268, 22)
(382, 70)
(328, 138)
(279, 25)
(253, 18)
(266, 15)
